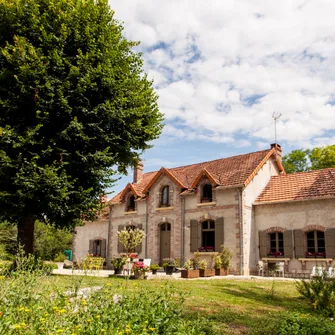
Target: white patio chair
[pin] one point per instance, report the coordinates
(331, 272)
(317, 271)
(261, 268)
(280, 268)
(147, 261)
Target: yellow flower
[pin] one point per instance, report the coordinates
(21, 309)
(89, 320)
(40, 307)
(152, 329)
(98, 316)
(102, 330)
(27, 310)
(23, 324)
(60, 331)
(17, 326)
(77, 327)
(46, 314)
(61, 311)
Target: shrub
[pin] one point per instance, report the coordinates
(320, 291)
(300, 324)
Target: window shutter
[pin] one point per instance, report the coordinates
(299, 243)
(262, 244)
(120, 246)
(194, 236)
(90, 247)
(330, 242)
(288, 247)
(138, 249)
(219, 233)
(103, 248)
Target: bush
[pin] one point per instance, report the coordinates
(30, 307)
(300, 324)
(320, 291)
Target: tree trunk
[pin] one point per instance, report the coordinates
(25, 234)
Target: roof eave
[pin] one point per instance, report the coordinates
(291, 200)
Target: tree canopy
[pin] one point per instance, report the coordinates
(310, 159)
(75, 108)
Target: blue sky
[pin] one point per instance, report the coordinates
(221, 68)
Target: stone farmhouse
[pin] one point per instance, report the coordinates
(245, 202)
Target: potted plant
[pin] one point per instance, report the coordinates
(226, 256)
(140, 270)
(219, 271)
(204, 271)
(118, 263)
(188, 271)
(59, 259)
(154, 268)
(169, 264)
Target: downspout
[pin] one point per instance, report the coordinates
(241, 228)
(146, 228)
(109, 233)
(183, 230)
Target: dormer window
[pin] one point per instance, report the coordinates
(165, 197)
(130, 204)
(206, 193)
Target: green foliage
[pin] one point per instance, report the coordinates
(50, 241)
(27, 307)
(315, 159)
(118, 262)
(300, 324)
(225, 256)
(169, 262)
(195, 261)
(74, 102)
(154, 267)
(8, 240)
(60, 257)
(320, 291)
(130, 238)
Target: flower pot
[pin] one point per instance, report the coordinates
(169, 270)
(207, 273)
(189, 273)
(221, 272)
(154, 272)
(118, 271)
(60, 265)
(139, 275)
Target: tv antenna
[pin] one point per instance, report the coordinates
(276, 116)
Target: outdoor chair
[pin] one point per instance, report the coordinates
(261, 268)
(147, 261)
(317, 271)
(331, 272)
(280, 268)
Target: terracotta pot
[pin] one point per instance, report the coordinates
(207, 273)
(139, 275)
(189, 273)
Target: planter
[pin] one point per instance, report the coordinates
(60, 265)
(189, 273)
(154, 272)
(221, 272)
(169, 270)
(117, 271)
(207, 273)
(139, 275)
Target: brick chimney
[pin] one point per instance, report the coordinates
(138, 172)
(278, 150)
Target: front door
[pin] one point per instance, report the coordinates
(165, 235)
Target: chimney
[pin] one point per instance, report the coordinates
(138, 172)
(278, 150)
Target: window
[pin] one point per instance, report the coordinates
(97, 248)
(165, 197)
(130, 204)
(165, 226)
(208, 234)
(316, 242)
(277, 243)
(206, 193)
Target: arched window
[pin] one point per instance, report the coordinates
(208, 234)
(131, 204)
(316, 242)
(276, 242)
(206, 193)
(165, 197)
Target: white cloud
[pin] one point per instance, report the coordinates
(222, 68)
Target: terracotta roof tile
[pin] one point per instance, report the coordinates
(231, 171)
(299, 186)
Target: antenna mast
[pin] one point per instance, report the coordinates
(276, 116)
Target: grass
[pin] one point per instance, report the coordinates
(233, 306)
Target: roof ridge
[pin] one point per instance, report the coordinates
(304, 172)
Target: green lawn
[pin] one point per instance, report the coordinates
(235, 306)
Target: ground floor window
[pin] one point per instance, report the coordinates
(208, 234)
(277, 242)
(97, 247)
(316, 242)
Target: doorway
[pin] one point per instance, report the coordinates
(165, 238)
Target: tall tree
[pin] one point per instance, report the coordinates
(310, 159)
(75, 108)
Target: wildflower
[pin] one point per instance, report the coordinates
(21, 309)
(17, 326)
(152, 329)
(89, 320)
(98, 316)
(102, 330)
(61, 311)
(46, 314)
(60, 331)
(27, 310)
(23, 324)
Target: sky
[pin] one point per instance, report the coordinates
(222, 68)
